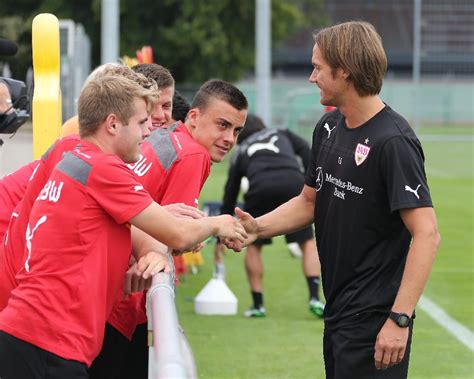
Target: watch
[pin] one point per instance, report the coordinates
(401, 319)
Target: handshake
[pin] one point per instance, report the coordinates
(234, 232)
(246, 230)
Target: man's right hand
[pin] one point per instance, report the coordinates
(251, 227)
(230, 227)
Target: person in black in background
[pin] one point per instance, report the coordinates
(268, 159)
(180, 108)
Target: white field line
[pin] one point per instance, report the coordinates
(456, 329)
(447, 138)
(453, 270)
(459, 173)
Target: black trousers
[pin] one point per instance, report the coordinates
(138, 355)
(283, 185)
(120, 358)
(22, 360)
(349, 349)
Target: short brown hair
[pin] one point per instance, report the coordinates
(356, 47)
(222, 90)
(106, 94)
(161, 75)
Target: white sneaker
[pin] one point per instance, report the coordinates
(254, 312)
(316, 307)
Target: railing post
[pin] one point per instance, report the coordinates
(169, 352)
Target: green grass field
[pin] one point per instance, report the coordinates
(288, 342)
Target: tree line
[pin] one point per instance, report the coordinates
(195, 39)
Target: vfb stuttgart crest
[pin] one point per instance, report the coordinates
(361, 153)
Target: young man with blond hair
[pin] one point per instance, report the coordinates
(22, 187)
(79, 241)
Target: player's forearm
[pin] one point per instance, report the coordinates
(291, 216)
(184, 233)
(417, 269)
(195, 231)
(143, 243)
(177, 233)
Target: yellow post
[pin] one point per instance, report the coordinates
(47, 92)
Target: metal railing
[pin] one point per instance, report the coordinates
(170, 355)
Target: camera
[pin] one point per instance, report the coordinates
(18, 112)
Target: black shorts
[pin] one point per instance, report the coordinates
(121, 358)
(137, 360)
(266, 196)
(22, 360)
(300, 236)
(349, 350)
(113, 353)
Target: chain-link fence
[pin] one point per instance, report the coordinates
(443, 94)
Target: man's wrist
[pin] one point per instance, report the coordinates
(401, 319)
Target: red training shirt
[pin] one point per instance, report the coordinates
(78, 245)
(173, 169)
(14, 241)
(12, 188)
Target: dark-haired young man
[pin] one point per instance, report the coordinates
(174, 165)
(161, 115)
